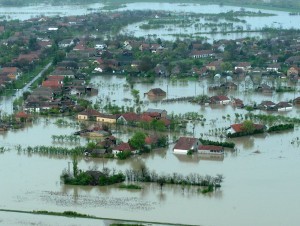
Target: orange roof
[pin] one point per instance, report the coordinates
(146, 118)
(22, 114)
(9, 69)
(131, 116)
(239, 127)
(185, 143)
(167, 122)
(52, 84)
(151, 139)
(123, 147)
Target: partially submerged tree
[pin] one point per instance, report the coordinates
(138, 140)
(248, 126)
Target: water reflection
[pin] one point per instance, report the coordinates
(188, 158)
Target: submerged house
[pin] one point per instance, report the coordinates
(121, 148)
(156, 113)
(186, 144)
(88, 114)
(267, 105)
(156, 92)
(238, 128)
(106, 118)
(284, 106)
(220, 99)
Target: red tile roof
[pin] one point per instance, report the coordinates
(131, 116)
(167, 122)
(123, 147)
(151, 139)
(22, 114)
(146, 118)
(30, 56)
(185, 143)
(9, 70)
(52, 84)
(223, 97)
(239, 127)
(219, 98)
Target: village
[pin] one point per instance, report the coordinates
(124, 97)
(229, 64)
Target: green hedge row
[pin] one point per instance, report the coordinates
(223, 144)
(281, 127)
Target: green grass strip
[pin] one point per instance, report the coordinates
(79, 215)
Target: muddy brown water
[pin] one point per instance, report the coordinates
(257, 189)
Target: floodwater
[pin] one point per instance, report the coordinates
(27, 12)
(279, 20)
(256, 190)
(259, 175)
(114, 89)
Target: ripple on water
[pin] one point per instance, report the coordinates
(122, 203)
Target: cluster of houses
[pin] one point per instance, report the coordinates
(130, 118)
(189, 145)
(110, 146)
(88, 52)
(282, 106)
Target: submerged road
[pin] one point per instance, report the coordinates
(6, 102)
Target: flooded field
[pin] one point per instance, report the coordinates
(280, 20)
(27, 12)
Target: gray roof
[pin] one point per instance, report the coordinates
(151, 110)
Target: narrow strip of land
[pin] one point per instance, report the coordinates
(78, 215)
